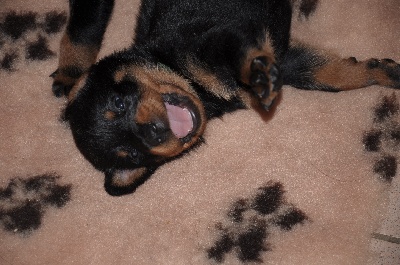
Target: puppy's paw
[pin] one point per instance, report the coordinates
(64, 79)
(58, 88)
(387, 72)
(265, 80)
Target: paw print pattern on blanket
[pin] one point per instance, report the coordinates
(250, 221)
(24, 201)
(25, 36)
(383, 139)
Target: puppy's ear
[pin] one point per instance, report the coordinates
(121, 182)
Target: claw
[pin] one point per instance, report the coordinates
(267, 105)
(265, 80)
(58, 89)
(54, 74)
(259, 64)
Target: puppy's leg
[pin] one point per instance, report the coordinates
(261, 72)
(308, 68)
(81, 41)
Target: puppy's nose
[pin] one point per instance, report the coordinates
(154, 133)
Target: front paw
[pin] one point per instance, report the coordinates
(265, 80)
(387, 72)
(58, 87)
(64, 79)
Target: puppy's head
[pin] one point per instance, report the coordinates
(129, 115)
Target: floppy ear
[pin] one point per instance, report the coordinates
(121, 182)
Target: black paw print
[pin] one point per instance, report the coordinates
(249, 222)
(25, 35)
(24, 201)
(384, 138)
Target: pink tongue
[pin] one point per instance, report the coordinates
(180, 120)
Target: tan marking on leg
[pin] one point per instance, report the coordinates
(64, 79)
(387, 73)
(252, 102)
(246, 98)
(345, 74)
(209, 81)
(80, 56)
(266, 50)
(270, 99)
(77, 87)
(381, 78)
(76, 57)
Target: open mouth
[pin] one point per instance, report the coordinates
(183, 116)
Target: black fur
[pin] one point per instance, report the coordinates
(88, 20)
(205, 57)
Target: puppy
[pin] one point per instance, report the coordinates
(191, 61)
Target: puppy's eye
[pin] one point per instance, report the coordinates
(119, 103)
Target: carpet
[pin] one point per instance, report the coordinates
(306, 184)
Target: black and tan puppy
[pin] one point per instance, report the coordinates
(192, 60)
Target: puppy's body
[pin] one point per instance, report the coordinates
(191, 60)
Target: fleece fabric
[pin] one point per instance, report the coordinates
(307, 183)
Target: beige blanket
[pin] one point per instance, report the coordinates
(308, 184)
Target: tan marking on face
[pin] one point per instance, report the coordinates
(170, 148)
(122, 154)
(109, 115)
(150, 107)
(153, 82)
(120, 74)
(127, 177)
